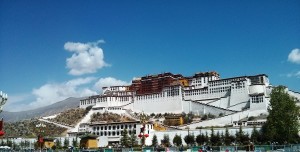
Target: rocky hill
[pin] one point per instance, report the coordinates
(70, 117)
(40, 112)
(27, 128)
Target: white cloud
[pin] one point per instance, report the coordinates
(17, 102)
(294, 56)
(108, 81)
(86, 57)
(54, 92)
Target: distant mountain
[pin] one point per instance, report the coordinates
(43, 111)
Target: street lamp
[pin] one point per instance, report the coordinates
(142, 134)
(3, 99)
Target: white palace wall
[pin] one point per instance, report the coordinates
(159, 105)
(202, 109)
(221, 102)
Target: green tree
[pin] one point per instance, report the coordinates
(27, 143)
(74, 142)
(215, 140)
(188, 118)
(58, 143)
(66, 143)
(177, 140)
(241, 137)
(125, 138)
(222, 137)
(189, 139)
(9, 143)
(206, 139)
(87, 109)
(212, 137)
(132, 140)
(282, 122)
(154, 141)
(22, 144)
(255, 136)
(238, 135)
(228, 139)
(166, 140)
(200, 139)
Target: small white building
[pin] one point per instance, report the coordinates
(111, 133)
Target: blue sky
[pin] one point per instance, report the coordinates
(51, 50)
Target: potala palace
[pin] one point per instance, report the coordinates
(200, 94)
(203, 93)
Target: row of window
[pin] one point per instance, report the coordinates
(86, 102)
(114, 127)
(114, 108)
(205, 91)
(174, 92)
(257, 99)
(113, 133)
(218, 90)
(238, 85)
(218, 83)
(151, 96)
(196, 92)
(104, 99)
(117, 88)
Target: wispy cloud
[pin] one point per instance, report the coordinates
(17, 102)
(294, 74)
(294, 56)
(50, 93)
(54, 92)
(108, 81)
(86, 57)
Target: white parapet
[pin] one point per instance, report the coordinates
(257, 89)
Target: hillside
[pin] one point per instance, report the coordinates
(27, 128)
(70, 117)
(109, 117)
(40, 112)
